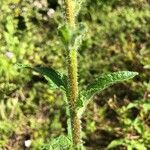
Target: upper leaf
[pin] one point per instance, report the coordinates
(78, 36)
(65, 34)
(107, 80)
(58, 79)
(72, 38)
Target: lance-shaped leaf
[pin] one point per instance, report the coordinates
(58, 79)
(106, 80)
(101, 83)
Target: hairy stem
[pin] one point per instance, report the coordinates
(70, 12)
(73, 77)
(73, 96)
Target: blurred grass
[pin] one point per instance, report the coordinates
(117, 39)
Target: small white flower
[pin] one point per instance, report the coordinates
(44, 3)
(27, 143)
(10, 55)
(50, 12)
(37, 4)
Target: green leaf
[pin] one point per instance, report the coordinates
(53, 75)
(146, 107)
(65, 34)
(129, 147)
(78, 36)
(59, 80)
(116, 143)
(103, 82)
(10, 26)
(132, 105)
(140, 147)
(138, 125)
(81, 104)
(137, 145)
(106, 80)
(60, 143)
(72, 38)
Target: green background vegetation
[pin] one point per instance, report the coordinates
(117, 39)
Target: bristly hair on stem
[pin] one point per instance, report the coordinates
(70, 12)
(73, 77)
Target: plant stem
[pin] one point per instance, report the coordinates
(73, 78)
(70, 12)
(73, 96)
